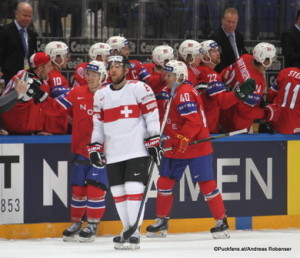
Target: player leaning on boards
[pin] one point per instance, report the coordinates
(186, 123)
(125, 113)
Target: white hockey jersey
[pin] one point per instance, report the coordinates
(123, 119)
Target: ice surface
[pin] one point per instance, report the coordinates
(198, 245)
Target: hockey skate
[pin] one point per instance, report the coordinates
(159, 229)
(71, 233)
(88, 234)
(221, 230)
(132, 243)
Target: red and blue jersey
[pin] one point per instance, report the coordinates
(186, 117)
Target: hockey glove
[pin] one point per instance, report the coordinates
(201, 88)
(153, 146)
(245, 89)
(39, 95)
(97, 157)
(31, 84)
(272, 112)
(181, 143)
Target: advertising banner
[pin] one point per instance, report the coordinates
(35, 183)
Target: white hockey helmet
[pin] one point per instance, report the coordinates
(100, 49)
(117, 43)
(189, 49)
(263, 51)
(179, 68)
(162, 54)
(57, 49)
(206, 46)
(99, 67)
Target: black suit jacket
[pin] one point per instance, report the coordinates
(290, 43)
(11, 49)
(227, 54)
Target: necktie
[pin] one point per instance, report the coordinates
(25, 47)
(233, 44)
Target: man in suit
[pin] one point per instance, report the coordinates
(229, 39)
(17, 42)
(290, 43)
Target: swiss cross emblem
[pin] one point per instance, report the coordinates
(126, 111)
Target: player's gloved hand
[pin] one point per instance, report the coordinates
(245, 89)
(201, 87)
(272, 112)
(34, 91)
(97, 157)
(39, 95)
(181, 143)
(30, 84)
(152, 145)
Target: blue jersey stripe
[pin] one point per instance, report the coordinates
(187, 108)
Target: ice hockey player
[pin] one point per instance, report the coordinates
(243, 114)
(89, 183)
(216, 97)
(160, 56)
(25, 117)
(98, 51)
(58, 84)
(126, 120)
(120, 46)
(186, 122)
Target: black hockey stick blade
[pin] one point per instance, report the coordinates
(213, 137)
(133, 228)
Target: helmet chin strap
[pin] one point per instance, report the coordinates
(209, 61)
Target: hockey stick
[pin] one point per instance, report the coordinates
(132, 229)
(213, 138)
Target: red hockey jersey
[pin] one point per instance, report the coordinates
(285, 92)
(215, 97)
(79, 75)
(80, 100)
(58, 85)
(242, 114)
(186, 117)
